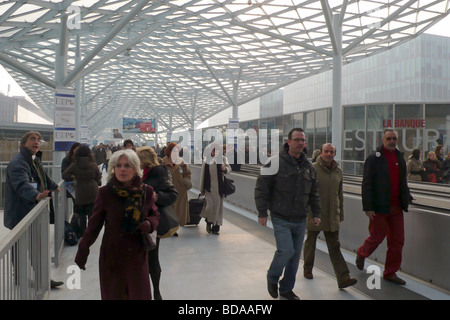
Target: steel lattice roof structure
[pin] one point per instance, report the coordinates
(185, 60)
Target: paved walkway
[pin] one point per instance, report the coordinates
(232, 266)
(201, 266)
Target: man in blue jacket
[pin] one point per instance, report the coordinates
(26, 182)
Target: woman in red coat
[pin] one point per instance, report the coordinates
(119, 207)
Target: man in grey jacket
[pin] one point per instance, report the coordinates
(331, 193)
(287, 194)
(26, 182)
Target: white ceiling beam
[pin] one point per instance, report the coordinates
(115, 30)
(329, 22)
(176, 101)
(26, 71)
(382, 23)
(283, 38)
(211, 70)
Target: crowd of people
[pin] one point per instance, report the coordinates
(142, 187)
(302, 197)
(435, 168)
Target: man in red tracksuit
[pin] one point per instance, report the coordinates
(385, 195)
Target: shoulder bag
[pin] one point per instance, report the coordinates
(229, 187)
(148, 239)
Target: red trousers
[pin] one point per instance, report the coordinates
(391, 226)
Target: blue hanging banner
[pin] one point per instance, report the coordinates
(64, 134)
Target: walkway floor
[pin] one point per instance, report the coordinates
(232, 266)
(201, 266)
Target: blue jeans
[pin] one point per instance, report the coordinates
(289, 237)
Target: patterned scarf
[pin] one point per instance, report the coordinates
(133, 199)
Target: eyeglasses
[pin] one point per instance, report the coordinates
(126, 166)
(33, 139)
(298, 140)
(391, 138)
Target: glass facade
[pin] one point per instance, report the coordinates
(10, 143)
(422, 126)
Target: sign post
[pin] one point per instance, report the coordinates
(64, 134)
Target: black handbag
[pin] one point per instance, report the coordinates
(229, 187)
(148, 241)
(168, 222)
(147, 238)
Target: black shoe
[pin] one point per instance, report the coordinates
(360, 262)
(54, 284)
(289, 296)
(308, 274)
(215, 229)
(273, 289)
(395, 279)
(347, 283)
(208, 227)
(157, 296)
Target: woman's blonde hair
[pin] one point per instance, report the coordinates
(148, 157)
(430, 153)
(132, 158)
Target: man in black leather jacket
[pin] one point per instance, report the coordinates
(287, 194)
(385, 195)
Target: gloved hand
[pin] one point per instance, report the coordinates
(81, 259)
(144, 227)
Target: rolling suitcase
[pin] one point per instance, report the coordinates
(195, 209)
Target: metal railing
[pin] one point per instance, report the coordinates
(48, 168)
(24, 257)
(25, 262)
(63, 208)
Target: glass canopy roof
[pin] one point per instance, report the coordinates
(185, 60)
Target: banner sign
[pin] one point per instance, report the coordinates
(64, 134)
(133, 125)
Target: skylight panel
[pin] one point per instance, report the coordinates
(27, 13)
(235, 7)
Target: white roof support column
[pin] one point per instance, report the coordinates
(330, 23)
(235, 114)
(83, 109)
(78, 93)
(61, 52)
(336, 120)
(170, 128)
(193, 104)
(60, 73)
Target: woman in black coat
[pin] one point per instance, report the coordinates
(85, 172)
(157, 176)
(67, 161)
